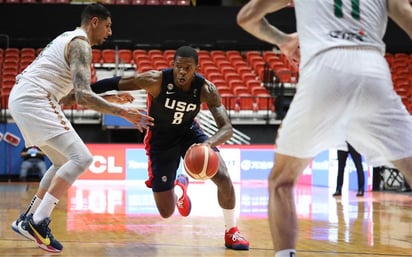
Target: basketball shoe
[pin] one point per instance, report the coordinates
(183, 204)
(20, 226)
(236, 241)
(42, 235)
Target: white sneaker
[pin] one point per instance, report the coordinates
(20, 226)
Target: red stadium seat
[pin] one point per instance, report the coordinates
(214, 76)
(245, 101)
(220, 83)
(48, 1)
(12, 1)
(183, 2)
(122, 2)
(145, 68)
(125, 55)
(31, 52)
(29, 1)
(138, 2)
(152, 52)
(259, 91)
(109, 55)
(240, 90)
(12, 51)
(231, 75)
(236, 83)
(169, 2)
(224, 90)
(153, 2)
(96, 55)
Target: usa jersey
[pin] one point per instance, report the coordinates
(325, 24)
(173, 110)
(50, 69)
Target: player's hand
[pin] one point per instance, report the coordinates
(120, 98)
(290, 48)
(138, 117)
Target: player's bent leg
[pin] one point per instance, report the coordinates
(225, 190)
(282, 211)
(227, 201)
(165, 202)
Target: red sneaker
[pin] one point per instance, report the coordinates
(236, 241)
(183, 204)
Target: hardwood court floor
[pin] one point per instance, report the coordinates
(119, 219)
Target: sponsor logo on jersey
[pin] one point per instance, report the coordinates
(350, 36)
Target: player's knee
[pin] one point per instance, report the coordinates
(84, 161)
(222, 177)
(279, 184)
(166, 212)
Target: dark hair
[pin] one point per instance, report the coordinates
(186, 51)
(94, 10)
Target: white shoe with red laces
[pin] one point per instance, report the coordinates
(235, 241)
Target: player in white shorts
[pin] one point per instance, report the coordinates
(61, 68)
(345, 93)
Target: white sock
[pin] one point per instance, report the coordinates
(286, 253)
(45, 208)
(229, 217)
(34, 204)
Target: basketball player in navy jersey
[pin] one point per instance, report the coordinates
(345, 93)
(174, 99)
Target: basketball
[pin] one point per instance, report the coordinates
(201, 162)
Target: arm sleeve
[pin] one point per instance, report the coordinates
(105, 85)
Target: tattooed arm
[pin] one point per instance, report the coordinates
(79, 57)
(252, 19)
(211, 97)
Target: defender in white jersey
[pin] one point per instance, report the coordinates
(61, 68)
(345, 93)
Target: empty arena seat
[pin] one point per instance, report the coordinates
(96, 55)
(108, 55)
(125, 55)
(183, 2)
(138, 2)
(153, 2)
(169, 2)
(122, 2)
(30, 52)
(240, 90)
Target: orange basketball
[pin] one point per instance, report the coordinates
(201, 162)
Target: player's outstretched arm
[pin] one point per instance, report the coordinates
(79, 56)
(149, 81)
